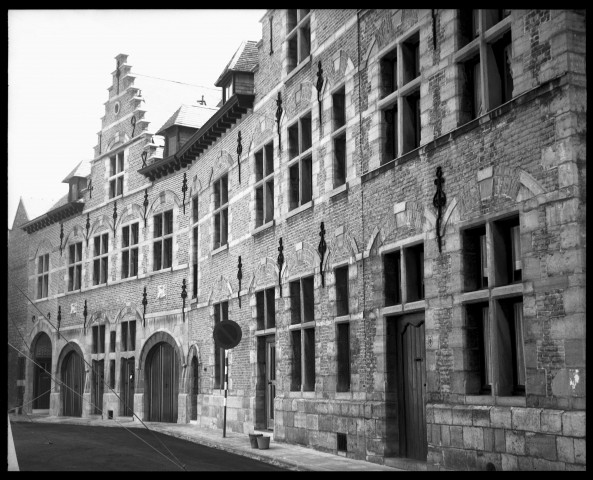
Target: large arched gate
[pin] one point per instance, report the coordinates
(42, 375)
(73, 384)
(162, 383)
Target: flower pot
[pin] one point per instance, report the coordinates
(253, 439)
(263, 442)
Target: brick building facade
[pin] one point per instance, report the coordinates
(389, 203)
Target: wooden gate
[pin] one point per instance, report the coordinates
(73, 378)
(270, 380)
(126, 408)
(412, 386)
(163, 379)
(42, 382)
(97, 386)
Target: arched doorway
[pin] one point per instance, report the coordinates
(73, 377)
(162, 383)
(42, 375)
(195, 369)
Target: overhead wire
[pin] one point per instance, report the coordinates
(57, 380)
(179, 464)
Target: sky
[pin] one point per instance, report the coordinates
(59, 68)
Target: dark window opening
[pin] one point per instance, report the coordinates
(392, 278)
(388, 73)
(128, 336)
(414, 257)
(475, 259)
(341, 276)
(221, 198)
(98, 339)
(411, 58)
(343, 344)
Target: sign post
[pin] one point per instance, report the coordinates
(227, 334)
(226, 383)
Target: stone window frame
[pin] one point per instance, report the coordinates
(220, 212)
(129, 248)
(491, 313)
(165, 239)
(42, 276)
(98, 339)
(479, 58)
(399, 97)
(298, 37)
(75, 266)
(195, 232)
(263, 323)
(339, 136)
(300, 152)
(302, 326)
(116, 165)
(100, 259)
(342, 331)
(264, 177)
(128, 335)
(405, 257)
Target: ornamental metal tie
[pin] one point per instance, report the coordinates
(439, 200)
(88, 227)
(319, 87)
(59, 317)
(184, 189)
(239, 277)
(239, 150)
(114, 216)
(84, 314)
(183, 296)
(61, 237)
(90, 188)
(144, 303)
(322, 249)
(145, 203)
(278, 117)
(144, 155)
(280, 263)
(133, 122)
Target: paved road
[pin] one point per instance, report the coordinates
(55, 447)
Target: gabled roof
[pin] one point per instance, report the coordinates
(245, 59)
(163, 97)
(193, 116)
(59, 203)
(83, 169)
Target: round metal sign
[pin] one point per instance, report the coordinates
(227, 334)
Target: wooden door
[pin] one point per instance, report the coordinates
(73, 376)
(195, 370)
(163, 377)
(412, 388)
(97, 386)
(127, 387)
(42, 385)
(270, 380)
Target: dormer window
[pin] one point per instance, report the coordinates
(76, 187)
(228, 90)
(171, 142)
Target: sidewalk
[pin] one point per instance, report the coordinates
(292, 457)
